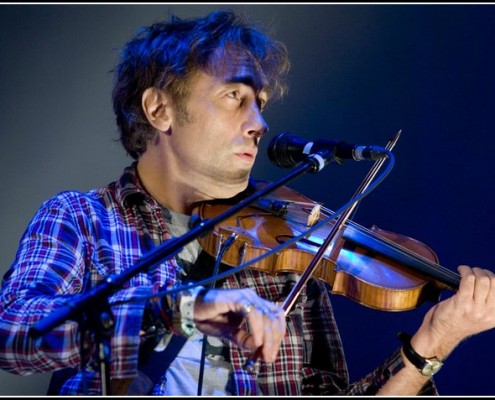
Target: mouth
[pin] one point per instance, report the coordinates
(249, 156)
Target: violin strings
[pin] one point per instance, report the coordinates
(397, 246)
(387, 242)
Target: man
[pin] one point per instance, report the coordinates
(188, 97)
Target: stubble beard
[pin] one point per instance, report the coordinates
(223, 183)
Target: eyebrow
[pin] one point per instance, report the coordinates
(248, 80)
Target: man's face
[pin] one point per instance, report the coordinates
(214, 145)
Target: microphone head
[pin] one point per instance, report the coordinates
(286, 150)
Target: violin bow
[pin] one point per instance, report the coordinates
(378, 163)
(335, 233)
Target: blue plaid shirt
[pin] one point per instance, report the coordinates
(76, 239)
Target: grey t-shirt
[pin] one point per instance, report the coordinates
(183, 374)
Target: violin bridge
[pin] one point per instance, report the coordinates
(313, 216)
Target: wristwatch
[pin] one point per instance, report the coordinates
(427, 366)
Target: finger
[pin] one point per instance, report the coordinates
(278, 325)
(466, 286)
(267, 335)
(252, 338)
(256, 322)
(266, 329)
(490, 298)
(276, 315)
(273, 331)
(482, 285)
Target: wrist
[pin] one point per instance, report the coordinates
(183, 321)
(426, 366)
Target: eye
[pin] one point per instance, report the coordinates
(261, 104)
(262, 100)
(235, 94)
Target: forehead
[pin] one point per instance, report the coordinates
(236, 65)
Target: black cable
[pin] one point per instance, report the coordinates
(223, 248)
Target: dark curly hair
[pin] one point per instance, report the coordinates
(166, 55)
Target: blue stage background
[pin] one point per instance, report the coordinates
(360, 73)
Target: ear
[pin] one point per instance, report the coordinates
(156, 107)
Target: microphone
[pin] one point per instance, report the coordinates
(286, 150)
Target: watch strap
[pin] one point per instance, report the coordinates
(427, 366)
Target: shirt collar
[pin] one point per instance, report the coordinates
(130, 188)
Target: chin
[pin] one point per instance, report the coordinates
(227, 190)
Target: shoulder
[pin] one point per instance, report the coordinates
(76, 206)
(73, 199)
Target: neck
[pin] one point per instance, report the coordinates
(164, 188)
(181, 193)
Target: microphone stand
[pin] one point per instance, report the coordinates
(93, 307)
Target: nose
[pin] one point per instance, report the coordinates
(256, 125)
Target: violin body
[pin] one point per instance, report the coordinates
(378, 282)
(370, 265)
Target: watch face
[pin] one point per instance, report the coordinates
(431, 367)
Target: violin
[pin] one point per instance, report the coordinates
(377, 268)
